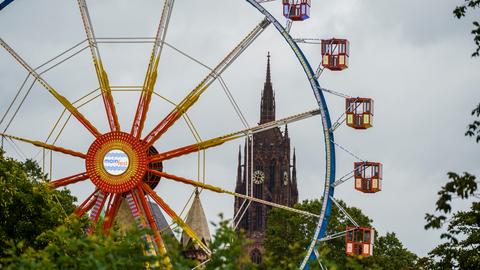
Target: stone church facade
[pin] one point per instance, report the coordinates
(268, 155)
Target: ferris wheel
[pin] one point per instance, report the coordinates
(124, 164)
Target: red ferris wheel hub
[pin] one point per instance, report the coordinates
(116, 162)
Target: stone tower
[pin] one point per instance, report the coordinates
(274, 176)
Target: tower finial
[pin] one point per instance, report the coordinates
(268, 67)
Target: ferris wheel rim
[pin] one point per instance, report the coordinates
(329, 188)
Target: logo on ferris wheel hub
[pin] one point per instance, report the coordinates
(116, 162)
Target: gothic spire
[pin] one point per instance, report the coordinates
(267, 108)
(268, 80)
(294, 195)
(239, 171)
(197, 220)
(294, 157)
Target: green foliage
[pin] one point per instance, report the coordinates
(289, 234)
(461, 249)
(70, 248)
(228, 249)
(28, 207)
(461, 246)
(458, 186)
(175, 254)
(461, 11)
(390, 254)
(474, 128)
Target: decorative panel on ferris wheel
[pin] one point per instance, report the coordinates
(335, 53)
(368, 176)
(359, 112)
(359, 241)
(296, 10)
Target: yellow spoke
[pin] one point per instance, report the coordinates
(195, 94)
(69, 180)
(69, 106)
(220, 190)
(176, 218)
(232, 136)
(46, 146)
(100, 71)
(151, 76)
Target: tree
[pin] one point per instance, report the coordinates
(288, 235)
(390, 253)
(228, 249)
(70, 248)
(27, 206)
(461, 248)
(474, 128)
(460, 12)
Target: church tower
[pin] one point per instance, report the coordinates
(267, 154)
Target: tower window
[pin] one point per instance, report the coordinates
(271, 179)
(259, 217)
(256, 256)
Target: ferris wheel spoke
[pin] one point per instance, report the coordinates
(195, 94)
(135, 209)
(151, 75)
(153, 225)
(100, 71)
(69, 180)
(235, 135)
(176, 218)
(69, 106)
(111, 212)
(336, 235)
(220, 190)
(46, 146)
(87, 204)
(98, 205)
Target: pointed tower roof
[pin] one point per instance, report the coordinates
(162, 223)
(267, 107)
(294, 179)
(238, 187)
(197, 220)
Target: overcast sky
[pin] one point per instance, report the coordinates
(411, 57)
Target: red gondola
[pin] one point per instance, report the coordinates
(359, 112)
(368, 176)
(359, 241)
(335, 53)
(296, 10)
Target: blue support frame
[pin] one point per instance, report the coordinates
(5, 3)
(327, 132)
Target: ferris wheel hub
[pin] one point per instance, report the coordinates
(116, 162)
